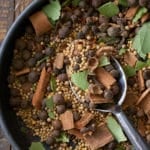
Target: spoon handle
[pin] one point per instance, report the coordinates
(136, 140)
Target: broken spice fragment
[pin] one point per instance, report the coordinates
(67, 120)
(59, 61)
(95, 89)
(130, 58)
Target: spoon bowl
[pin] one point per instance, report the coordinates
(135, 138)
(108, 107)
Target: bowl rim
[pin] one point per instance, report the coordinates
(32, 7)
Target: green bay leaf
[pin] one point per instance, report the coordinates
(52, 10)
(75, 2)
(104, 61)
(109, 9)
(129, 71)
(115, 129)
(80, 79)
(36, 146)
(50, 103)
(53, 83)
(141, 41)
(122, 51)
(51, 114)
(63, 138)
(139, 65)
(66, 3)
(123, 3)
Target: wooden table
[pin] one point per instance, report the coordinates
(9, 10)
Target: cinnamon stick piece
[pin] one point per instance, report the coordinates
(130, 58)
(141, 81)
(104, 77)
(67, 120)
(85, 119)
(40, 23)
(22, 72)
(144, 102)
(41, 88)
(131, 12)
(99, 138)
(98, 99)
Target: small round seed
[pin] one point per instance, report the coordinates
(33, 76)
(58, 99)
(60, 109)
(18, 64)
(50, 140)
(57, 124)
(62, 77)
(43, 115)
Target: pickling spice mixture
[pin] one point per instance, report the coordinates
(62, 69)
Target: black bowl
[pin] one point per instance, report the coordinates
(8, 120)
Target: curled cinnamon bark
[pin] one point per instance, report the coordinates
(41, 88)
(40, 23)
(104, 77)
(92, 64)
(22, 72)
(141, 81)
(131, 12)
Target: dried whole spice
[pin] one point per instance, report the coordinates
(65, 70)
(40, 90)
(40, 23)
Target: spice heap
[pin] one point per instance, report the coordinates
(62, 69)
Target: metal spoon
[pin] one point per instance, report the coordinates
(136, 140)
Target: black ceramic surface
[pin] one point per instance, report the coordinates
(8, 121)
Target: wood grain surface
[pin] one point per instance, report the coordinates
(9, 11)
